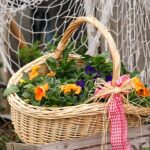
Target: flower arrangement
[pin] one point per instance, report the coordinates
(69, 84)
(75, 80)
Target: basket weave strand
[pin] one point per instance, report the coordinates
(43, 125)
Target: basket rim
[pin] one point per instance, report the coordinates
(70, 111)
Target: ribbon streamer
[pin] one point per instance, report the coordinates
(115, 92)
(118, 124)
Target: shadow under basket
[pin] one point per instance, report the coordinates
(40, 125)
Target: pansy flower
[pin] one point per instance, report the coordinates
(108, 78)
(40, 91)
(34, 72)
(51, 74)
(80, 83)
(71, 88)
(90, 70)
(140, 88)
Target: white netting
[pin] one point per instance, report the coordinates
(28, 21)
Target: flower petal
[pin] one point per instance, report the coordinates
(35, 68)
(33, 74)
(144, 92)
(71, 87)
(39, 93)
(45, 86)
(51, 74)
(135, 80)
(78, 90)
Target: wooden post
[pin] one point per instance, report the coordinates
(137, 139)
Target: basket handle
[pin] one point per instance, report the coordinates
(103, 30)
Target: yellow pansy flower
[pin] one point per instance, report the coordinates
(71, 87)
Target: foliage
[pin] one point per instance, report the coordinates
(66, 73)
(140, 99)
(69, 84)
(11, 90)
(30, 53)
(65, 78)
(78, 46)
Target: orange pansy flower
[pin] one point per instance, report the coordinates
(144, 92)
(45, 86)
(34, 72)
(140, 88)
(137, 83)
(71, 87)
(51, 74)
(35, 68)
(40, 91)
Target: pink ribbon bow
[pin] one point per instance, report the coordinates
(116, 112)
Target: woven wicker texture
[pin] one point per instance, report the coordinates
(43, 125)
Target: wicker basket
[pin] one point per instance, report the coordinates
(43, 125)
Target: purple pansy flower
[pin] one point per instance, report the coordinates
(80, 83)
(90, 70)
(108, 78)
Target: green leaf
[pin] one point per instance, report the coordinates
(29, 86)
(25, 76)
(66, 54)
(105, 54)
(52, 63)
(26, 95)
(123, 69)
(28, 101)
(87, 58)
(30, 53)
(134, 73)
(10, 90)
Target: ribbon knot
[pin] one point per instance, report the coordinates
(107, 89)
(114, 92)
